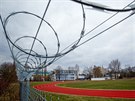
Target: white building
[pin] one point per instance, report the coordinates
(65, 75)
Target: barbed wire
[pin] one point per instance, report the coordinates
(40, 55)
(98, 27)
(102, 7)
(29, 60)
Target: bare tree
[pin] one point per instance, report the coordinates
(97, 71)
(114, 67)
(88, 72)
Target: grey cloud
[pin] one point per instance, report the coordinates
(115, 43)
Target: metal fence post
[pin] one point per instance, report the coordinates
(27, 90)
(21, 90)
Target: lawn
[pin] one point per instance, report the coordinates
(38, 83)
(128, 84)
(80, 98)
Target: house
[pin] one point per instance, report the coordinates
(62, 75)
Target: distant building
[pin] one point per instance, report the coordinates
(65, 75)
(40, 75)
(81, 77)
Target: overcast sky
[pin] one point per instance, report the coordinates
(66, 17)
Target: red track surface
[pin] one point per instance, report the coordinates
(51, 87)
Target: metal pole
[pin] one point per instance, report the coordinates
(21, 90)
(27, 90)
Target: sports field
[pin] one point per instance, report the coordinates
(128, 84)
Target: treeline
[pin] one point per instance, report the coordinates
(128, 72)
(114, 71)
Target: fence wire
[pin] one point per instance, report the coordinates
(28, 61)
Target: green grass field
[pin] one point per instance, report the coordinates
(111, 84)
(38, 83)
(81, 98)
(128, 84)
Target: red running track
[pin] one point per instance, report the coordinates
(51, 87)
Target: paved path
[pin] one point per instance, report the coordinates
(51, 87)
